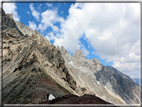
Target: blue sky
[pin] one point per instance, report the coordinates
(62, 12)
(109, 32)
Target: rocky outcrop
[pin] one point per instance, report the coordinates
(104, 81)
(78, 54)
(123, 84)
(32, 66)
(72, 99)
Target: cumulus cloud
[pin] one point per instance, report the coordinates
(72, 30)
(85, 52)
(32, 25)
(128, 68)
(34, 12)
(113, 30)
(49, 18)
(12, 10)
(51, 36)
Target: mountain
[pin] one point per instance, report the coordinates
(33, 68)
(137, 80)
(105, 81)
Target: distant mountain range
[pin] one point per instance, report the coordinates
(137, 80)
(33, 68)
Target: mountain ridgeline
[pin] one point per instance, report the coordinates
(33, 68)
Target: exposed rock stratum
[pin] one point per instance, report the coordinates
(33, 68)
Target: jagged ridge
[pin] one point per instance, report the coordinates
(33, 67)
(106, 82)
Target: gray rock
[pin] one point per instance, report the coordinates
(33, 68)
(26, 79)
(108, 83)
(78, 54)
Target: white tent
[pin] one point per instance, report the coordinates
(51, 97)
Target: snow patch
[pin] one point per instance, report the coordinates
(71, 63)
(98, 82)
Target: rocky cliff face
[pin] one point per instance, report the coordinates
(104, 81)
(33, 68)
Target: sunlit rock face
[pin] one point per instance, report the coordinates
(105, 82)
(33, 67)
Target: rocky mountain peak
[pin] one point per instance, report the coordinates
(96, 62)
(78, 54)
(32, 65)
(2, 12)
(10, 15)
(33, 68)
(63, 50)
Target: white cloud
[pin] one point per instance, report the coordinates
(28, 12)
(32, 25)
(113, 30)
(12, 10)
(49, 18)
(85, 52)
(51, 36)
(34, 12)
(128, 68)
(49, 4)
(133, 77)
(39, 6)
(72, 30)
